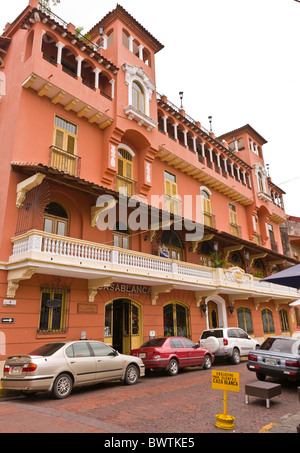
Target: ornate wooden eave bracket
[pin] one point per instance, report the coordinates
(256, 257)
(233, 248)
(207, 237)
(95, 284)
(157, 290)
(24, 186)
(15, 276)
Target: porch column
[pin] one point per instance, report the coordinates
(225, 164)
(112, 82)
(175, 125)
(97, 72)
(79, 61)
(141, 56)
(203, 149)
(185, 138)
(60, 47)
(195, 144)
(131, 38)
(165, 123)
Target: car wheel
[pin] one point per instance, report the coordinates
(173, 367)
(131, 375)
(261, 377)
(62, 386)
(207, 362)
(235, 358)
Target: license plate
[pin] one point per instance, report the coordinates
(16, 370)
(142, 355)
(271, 361)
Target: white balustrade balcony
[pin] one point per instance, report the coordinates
(58, 255)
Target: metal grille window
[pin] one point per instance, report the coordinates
(53, 311)
(284, 320)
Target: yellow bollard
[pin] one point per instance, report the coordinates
(225, 421)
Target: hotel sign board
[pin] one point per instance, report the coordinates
(124, 288)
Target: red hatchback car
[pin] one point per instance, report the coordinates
(172, 353)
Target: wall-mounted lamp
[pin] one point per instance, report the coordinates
(230, 309)
(101, 29)
(203, 308)
(210, 123)
(181, 97)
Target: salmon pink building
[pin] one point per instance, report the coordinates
(122, 216)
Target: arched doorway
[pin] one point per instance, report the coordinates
(123, 325)
(216, 312)
(213, 316)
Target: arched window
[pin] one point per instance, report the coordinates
(56, 219)
(172, 242)
(206, 254)
(260, 182)
(125, 173)
(176, 320)
(206, 208)
(138, 97)
(284, 320)
(49, 49)
(245, 319)
(237, 260)
(267, 320)
(259, 269)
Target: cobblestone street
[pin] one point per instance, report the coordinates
(159, 403)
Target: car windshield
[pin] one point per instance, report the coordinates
(47, 349)
(287, 345)
(154, 343)
(212, 333)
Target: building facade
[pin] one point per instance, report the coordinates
(122, 216)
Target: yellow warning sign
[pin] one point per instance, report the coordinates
(223, 380)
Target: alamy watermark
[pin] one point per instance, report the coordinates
(135, 213)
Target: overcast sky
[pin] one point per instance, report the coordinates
(236, 60)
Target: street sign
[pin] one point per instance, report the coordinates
(223, 380)
(7, 320)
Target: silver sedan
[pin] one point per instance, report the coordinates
(58, 367)
(277, 357)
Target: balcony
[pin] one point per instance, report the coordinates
(235, 230)
(64, 161)
(125, 186)
(44, 253)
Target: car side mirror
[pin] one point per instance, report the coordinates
(196, 346)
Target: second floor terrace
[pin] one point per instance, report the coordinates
(66, 67)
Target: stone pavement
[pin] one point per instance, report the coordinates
(74, 419)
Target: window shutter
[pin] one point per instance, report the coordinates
(71, 144)
(59, 139)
